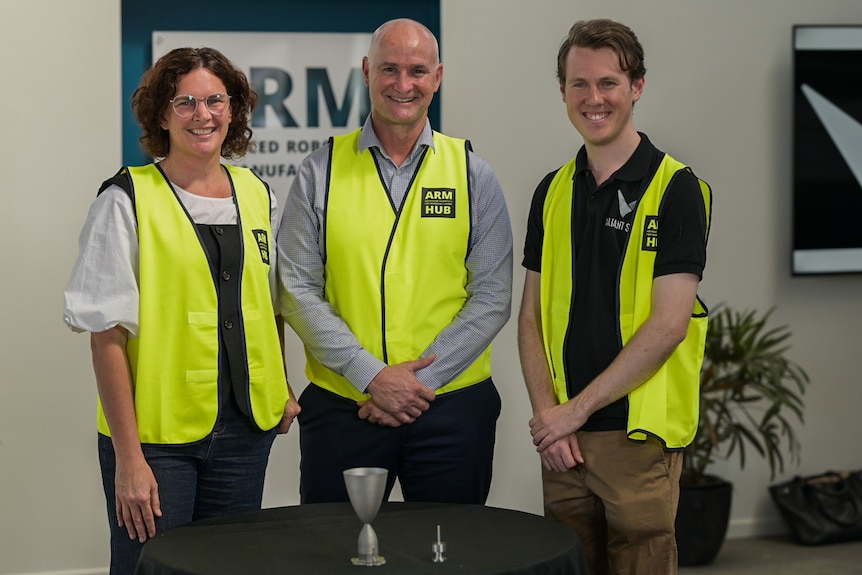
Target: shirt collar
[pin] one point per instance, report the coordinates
(368, 139)
(633, 170)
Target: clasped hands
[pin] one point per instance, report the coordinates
(397, 396)
(553, 430)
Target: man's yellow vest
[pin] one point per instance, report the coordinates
(174, 361)
(397, 278)
(666, 406)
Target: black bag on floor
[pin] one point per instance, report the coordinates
(824, 508)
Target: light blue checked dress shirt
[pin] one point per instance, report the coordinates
(301, 269)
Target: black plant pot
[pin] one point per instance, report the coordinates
(701, 520)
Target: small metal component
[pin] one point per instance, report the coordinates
(439, 549)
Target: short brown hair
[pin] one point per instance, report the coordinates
(604, 33)
(150, 102)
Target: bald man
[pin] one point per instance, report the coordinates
(395, 258)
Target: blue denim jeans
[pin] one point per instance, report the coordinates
(222, 473)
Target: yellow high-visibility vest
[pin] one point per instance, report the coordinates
(666, 406)
(397, 278)
(174, 360)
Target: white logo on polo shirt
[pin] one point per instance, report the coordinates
(625, 208)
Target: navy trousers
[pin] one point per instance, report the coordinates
(445, 456)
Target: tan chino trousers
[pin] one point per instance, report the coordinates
(621, 502)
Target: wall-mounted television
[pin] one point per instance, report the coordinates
(827, 150)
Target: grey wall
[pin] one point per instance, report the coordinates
(718, 96)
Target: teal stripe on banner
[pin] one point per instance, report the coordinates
(141, 17)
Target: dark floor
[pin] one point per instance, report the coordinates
(781, 556)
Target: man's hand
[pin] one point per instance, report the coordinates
(397, 392)
(563, 454)
(555, 423)
(369, 411)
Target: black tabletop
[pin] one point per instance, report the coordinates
(322, 538)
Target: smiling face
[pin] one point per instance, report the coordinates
(402, 72)
(599, 97)
(202, 133)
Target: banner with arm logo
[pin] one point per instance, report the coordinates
(310, 87)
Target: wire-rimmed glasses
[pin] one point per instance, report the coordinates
(185, 105)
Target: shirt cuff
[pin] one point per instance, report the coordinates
(362, 369)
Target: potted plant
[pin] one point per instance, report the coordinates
(750, 398)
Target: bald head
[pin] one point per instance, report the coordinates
(406, 33)
(402, 72)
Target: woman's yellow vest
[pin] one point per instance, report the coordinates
(666, 406)
(174, 360)
(397, 278)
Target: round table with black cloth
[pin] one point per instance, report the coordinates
(322, 538)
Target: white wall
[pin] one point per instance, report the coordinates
(718, 96)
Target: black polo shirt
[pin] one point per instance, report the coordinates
(602, 221)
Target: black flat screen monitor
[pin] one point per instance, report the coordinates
(827, 150)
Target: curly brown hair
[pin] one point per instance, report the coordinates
(604, 33)
(150, 102)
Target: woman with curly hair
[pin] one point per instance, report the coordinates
(173, 283)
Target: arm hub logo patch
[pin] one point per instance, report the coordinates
(262, 244)
(438, 202)
(650, 236)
